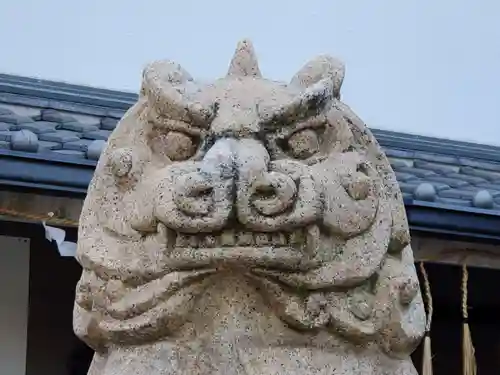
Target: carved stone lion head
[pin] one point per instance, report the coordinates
(277, 183)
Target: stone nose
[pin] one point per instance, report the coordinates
(234, 172)
(251, 160)
(271, 192)
(201, 193)
(219, 161)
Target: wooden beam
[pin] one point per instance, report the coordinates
(456, 253)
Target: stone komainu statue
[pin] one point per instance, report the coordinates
(246, 227)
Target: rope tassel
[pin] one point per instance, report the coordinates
(468, 352)
(427, 354)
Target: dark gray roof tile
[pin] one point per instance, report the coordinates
(483, 199)
(98, 134)
(481, 164)
(6, 135)
(494, 190)
(435, 167)
(108, 123)
(425, 192)
(404, 177)
(45, 145)
(79, 127)
(408, 187)
(15, 119)
(61, 136)
(489, 186)
(39, 127)
(468, 193)
(117, 114)
(75, 108)
(24, 140)
(5, 111)
(56, 116)
(467, 178)
(28, 101)
(437, 158)
(437, 185)
(400, 163)
(418, 172)
(95, 149)
(457, 194)
(486, 174)
(80, 145)
(451, 182)
(398, 153)
(72, 153)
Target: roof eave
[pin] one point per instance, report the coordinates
(455, 223)
(20, 171)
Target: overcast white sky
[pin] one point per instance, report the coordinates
(418, 66)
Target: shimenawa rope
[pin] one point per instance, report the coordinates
(468, 352)
(427, 353)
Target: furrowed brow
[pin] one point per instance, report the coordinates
(310, 103)
(171, 104)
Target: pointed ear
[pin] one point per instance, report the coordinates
(160, 85)
(244, 62)
(163, 73)
(322, 67)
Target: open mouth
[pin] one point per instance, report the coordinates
(232, 238)
(240, 248)
(277, 250)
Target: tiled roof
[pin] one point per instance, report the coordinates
(54, 132)
(71, 123)
(447, 177)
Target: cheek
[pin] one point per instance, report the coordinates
(350, 199)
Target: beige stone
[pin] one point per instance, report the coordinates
(246, 227)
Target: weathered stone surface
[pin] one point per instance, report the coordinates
(246, 227)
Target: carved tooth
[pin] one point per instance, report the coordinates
(287, 238)
(245, 239)
(227, 238)
(193, 241)
(262, 239)
(170, 235)
(297, 237)
(182, 240)
(208, 241)
(278, 239)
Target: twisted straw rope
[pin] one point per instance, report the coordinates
(428, 297)
(469, 366)
(465, 280)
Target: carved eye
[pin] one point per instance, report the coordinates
(303, 144)
(175, 145)
(121, 162)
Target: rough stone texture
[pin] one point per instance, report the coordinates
(246, 227)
